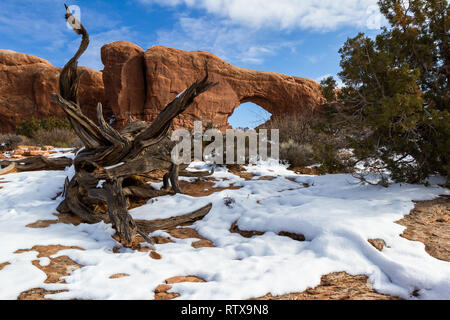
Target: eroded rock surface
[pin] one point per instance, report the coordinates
(141, 84)
(166, 72)
(429, 223)
(336, 286)
(26, 83)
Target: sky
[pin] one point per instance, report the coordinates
(294, 37)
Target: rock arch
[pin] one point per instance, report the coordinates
(249, 115)
(265, 103)
(142, 83)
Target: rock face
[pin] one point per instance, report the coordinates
(123, 77)
(162, 73)
(26, 83)
(141, 84)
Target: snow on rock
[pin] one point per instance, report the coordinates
(336, 215)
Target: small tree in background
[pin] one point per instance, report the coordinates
(395, 101)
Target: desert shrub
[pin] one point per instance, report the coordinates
(396, 93)
(301, 143)
(10, 142)
(312, 138)
(332, 160)
(297, 138)
(49, 131)
(57, 137)
(28, 128)
(298, 155)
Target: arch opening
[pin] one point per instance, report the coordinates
(248, 116)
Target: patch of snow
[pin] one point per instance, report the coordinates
(100, 184)
(178, 95)
(336, 215)
(44, 261)
(63, 152)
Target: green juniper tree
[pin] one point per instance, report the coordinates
(395, 100)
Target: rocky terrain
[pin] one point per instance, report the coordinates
(141, 83)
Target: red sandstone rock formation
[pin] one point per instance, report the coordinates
(123, 77)
(26, 83)
(141, 83)
(144, 92)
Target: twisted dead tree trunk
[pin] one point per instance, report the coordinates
(108, 170)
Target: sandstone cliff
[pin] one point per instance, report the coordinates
(141, 83)
(26, 83)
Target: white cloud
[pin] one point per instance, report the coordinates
(255, 54)
(33, 25)
(287, 14)
(233, 43)
(41, 28)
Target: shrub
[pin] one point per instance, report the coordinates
(301, 143)
(329, 155)
(10, 142)
(57, 137)
(298, 155)
(29, 127)
(396, 93)
(50, 131)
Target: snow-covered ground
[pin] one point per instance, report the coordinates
(336, 215)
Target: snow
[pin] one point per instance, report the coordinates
(100, 184)
(336, 215)
(114, 166)
(63, 152)
(178, 95)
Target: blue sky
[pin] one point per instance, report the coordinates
(295, 37)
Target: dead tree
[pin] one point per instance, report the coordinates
(108, 171)
(35, 163)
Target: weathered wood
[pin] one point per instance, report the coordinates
(106, 170)
(35, 163)
(143, 192)
(164, 224)
(173, 177)
(8, 167)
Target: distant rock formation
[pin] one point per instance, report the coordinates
(26, 83)
(141, 83)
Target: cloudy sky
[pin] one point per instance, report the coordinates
(295, 37)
